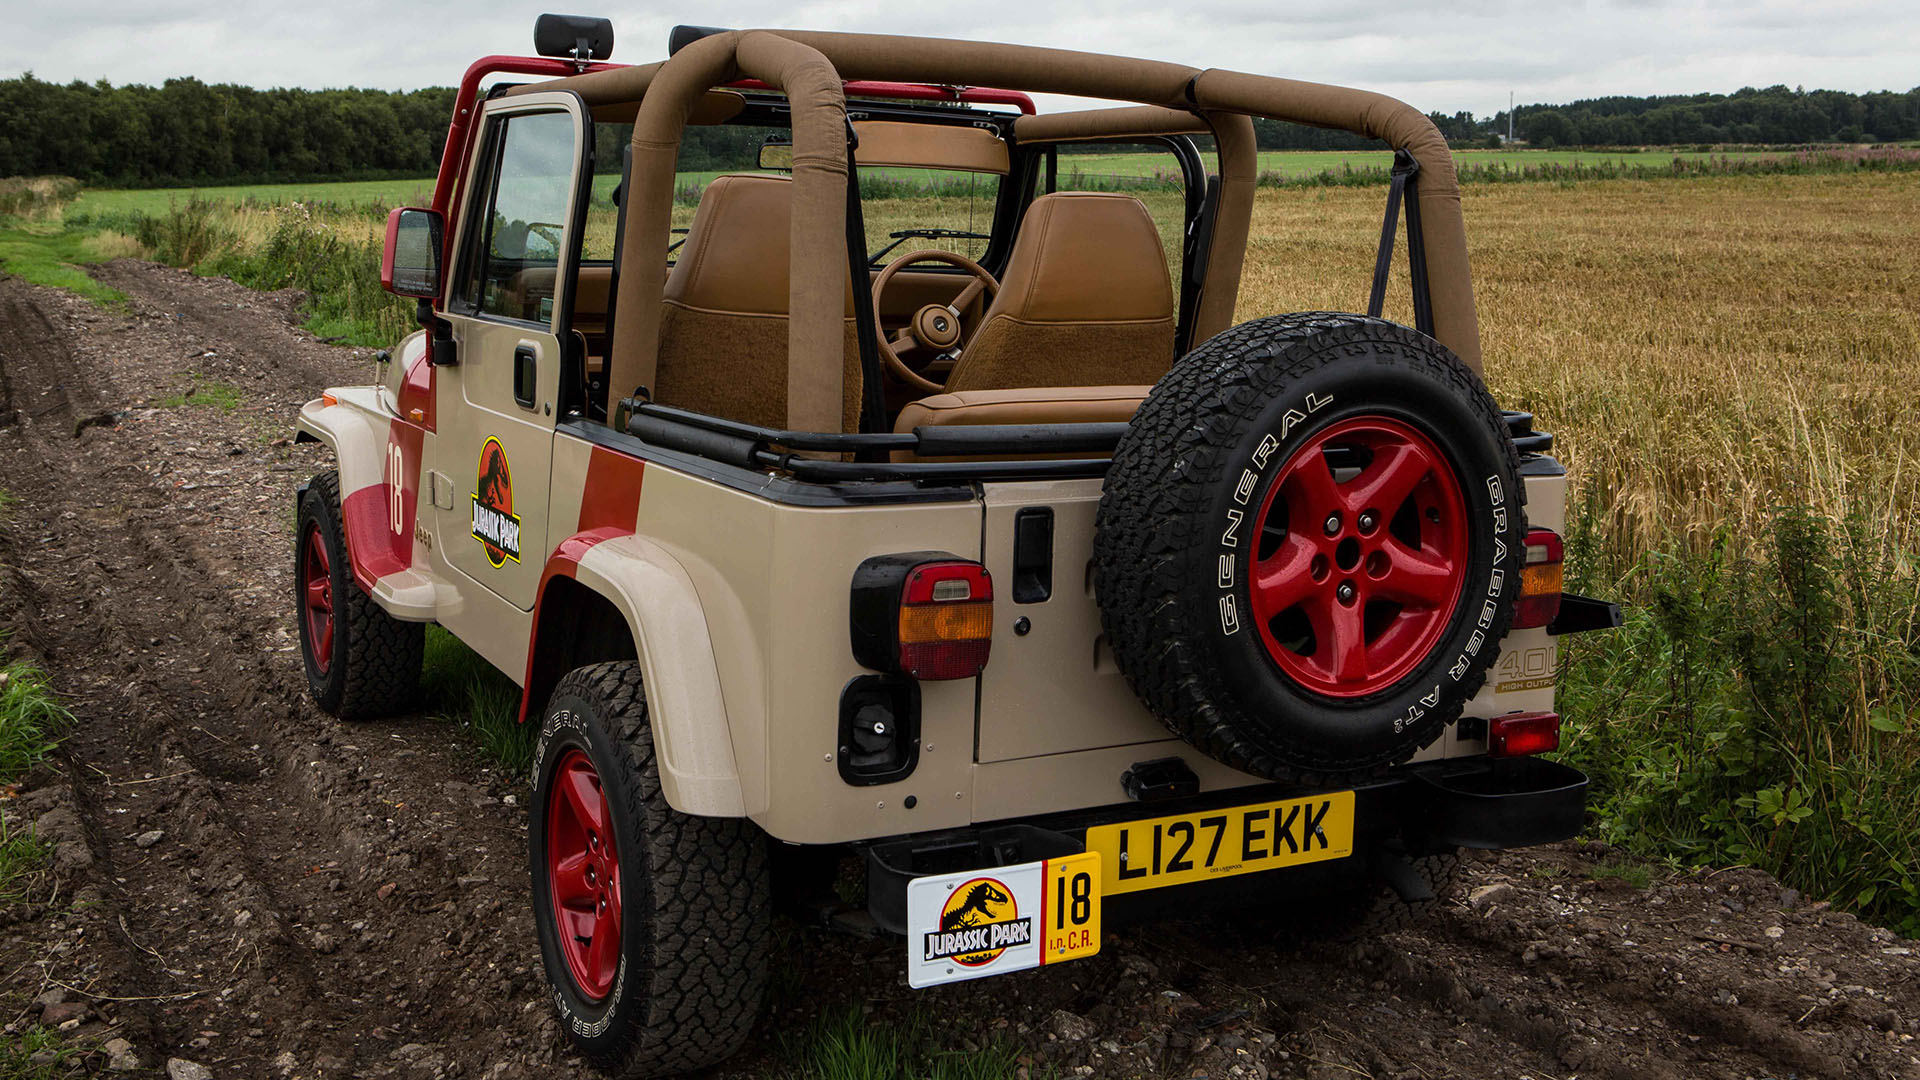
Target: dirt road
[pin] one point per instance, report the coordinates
(244, 883)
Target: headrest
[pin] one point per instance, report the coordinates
(735, 257)
(1086, 257)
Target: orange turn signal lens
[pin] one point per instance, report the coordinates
(965, 620)
(1541, 580)
(327, 401)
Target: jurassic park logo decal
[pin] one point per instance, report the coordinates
(980, 921)
(495, 524)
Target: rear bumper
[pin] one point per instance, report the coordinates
(1420, 809)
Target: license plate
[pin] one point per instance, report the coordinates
(1009, 918)
(1211, 844)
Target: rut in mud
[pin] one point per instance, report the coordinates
(246, 883)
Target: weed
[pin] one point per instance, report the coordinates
(17, 1055)
(462, 689)
(36, 198)
(1638, 875)
(188, 234)
(209, 392)
(22, 854)
(846, 1044)
(31, 718)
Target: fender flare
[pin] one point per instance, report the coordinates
(359, 438)
(693, 742)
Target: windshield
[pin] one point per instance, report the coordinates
(905, 209)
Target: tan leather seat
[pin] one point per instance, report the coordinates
(1086, 301)
(1043, 405)
(723, 329)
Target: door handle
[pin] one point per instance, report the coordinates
(524, 372)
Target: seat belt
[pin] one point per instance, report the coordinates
(1406, 172)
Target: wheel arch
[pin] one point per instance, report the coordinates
(614, 597)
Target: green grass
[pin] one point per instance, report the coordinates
(846, 1044)
(464, 690)
(208, 392)
(46, 254)
(374, 193)
(17, 1050)
(21, 855)
(31, 718)
(1638, 875)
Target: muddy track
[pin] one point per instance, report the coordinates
(349, 900)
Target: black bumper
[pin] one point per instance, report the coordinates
(1419, 809)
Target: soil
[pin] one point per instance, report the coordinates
(241, 882)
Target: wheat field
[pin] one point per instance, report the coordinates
(1703, 351)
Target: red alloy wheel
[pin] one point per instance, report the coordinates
(583, 874)
(1363, 545)
(316, 599)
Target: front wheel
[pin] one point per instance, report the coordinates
(653, 924)
(361, 662)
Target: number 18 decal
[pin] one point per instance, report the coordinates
(396, 479)
(1070, 926)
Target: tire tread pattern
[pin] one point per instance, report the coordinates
(1152, 518)
(707, 903)
(383, 655)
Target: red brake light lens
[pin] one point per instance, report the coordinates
(946, 620)
(1523, 734)
(1540, 580)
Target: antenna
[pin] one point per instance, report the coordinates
(1509, 116)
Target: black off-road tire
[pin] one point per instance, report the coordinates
(697, 895)
(1177, 523)
(375, 666)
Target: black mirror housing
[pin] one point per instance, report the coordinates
(573, 37)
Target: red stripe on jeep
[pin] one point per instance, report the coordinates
(564, 561)
(416, 391)
(373, 546)
(611, 499)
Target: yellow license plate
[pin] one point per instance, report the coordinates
(1210, 844)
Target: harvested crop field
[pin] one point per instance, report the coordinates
(237, 880)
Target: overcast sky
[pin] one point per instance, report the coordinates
(1444, 56)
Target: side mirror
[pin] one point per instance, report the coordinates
(410, 265)
(776, 156)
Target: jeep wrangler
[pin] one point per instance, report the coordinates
(965, 535)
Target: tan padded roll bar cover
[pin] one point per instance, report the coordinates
(1126, 122)
(815, 330)
(1399, 125)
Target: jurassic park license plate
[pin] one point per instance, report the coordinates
(1009, 918)
(1181, 850)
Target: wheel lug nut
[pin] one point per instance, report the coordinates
(1345, 592)
(1333, 524)
(1367, 522)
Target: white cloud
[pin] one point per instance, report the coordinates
(1461, 55)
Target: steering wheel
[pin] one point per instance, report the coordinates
(935, 327)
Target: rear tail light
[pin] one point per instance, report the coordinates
(924, 614)
(1540, 580)
(1522, 734)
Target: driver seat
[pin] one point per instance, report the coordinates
(1086, 301)
(723, 322)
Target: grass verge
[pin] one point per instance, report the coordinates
(48, 254)
(464, 690)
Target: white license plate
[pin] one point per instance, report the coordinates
(1009, 918)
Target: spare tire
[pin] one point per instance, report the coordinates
(1309, 545)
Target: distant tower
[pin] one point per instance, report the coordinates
(1509, 116)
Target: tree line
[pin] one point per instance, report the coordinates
(186, 132)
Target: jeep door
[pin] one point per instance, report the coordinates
(509, 312)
